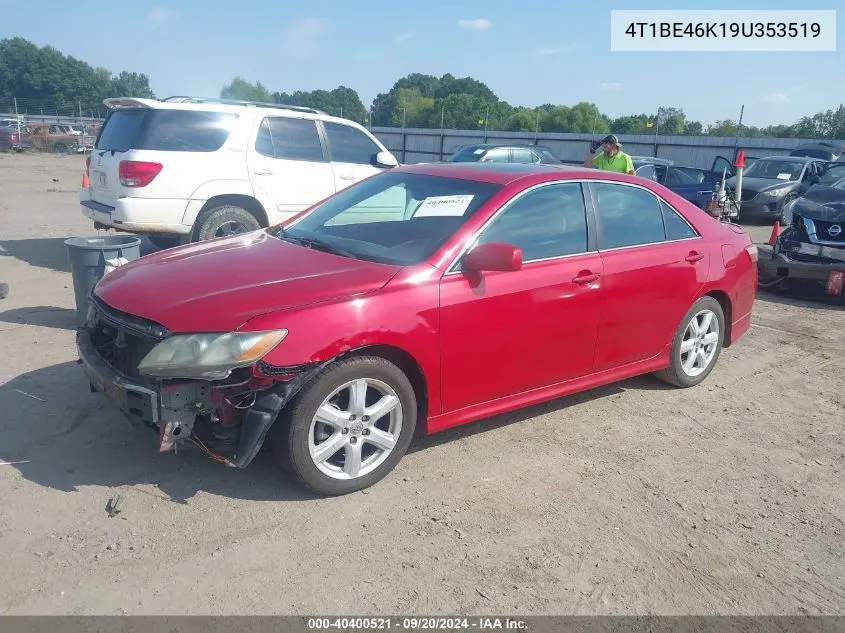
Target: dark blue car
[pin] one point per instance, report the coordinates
(691, 183)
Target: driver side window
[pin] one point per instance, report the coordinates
(550, 221)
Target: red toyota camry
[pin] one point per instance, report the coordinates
(416, 300)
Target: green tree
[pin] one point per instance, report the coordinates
(130, 85)
(342, 102)
(242, 90)
(522, 120)
(671, 121)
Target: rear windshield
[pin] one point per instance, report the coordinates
(165, 130)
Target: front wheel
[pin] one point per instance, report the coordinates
(349, 427)
(697, 344)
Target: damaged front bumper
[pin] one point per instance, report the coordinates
(794, 259)
(227, 421)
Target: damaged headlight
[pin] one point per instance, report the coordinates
(787, 212)
(208, 356)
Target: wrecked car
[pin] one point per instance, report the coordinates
(415, 300)
(811, 247)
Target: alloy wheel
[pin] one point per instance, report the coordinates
(700, 343)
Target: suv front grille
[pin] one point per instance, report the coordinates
(823, 231)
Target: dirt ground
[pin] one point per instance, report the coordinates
(728, 498)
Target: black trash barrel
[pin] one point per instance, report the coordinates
(87, 257)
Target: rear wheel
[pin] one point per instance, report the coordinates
(349, 427)
(225, 221)
(697, 344)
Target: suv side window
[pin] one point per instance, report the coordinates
(677, 227)
(628, 216)
(548, 222)
(288, 138)
(524, 156)
(349, 145)
(497, 156)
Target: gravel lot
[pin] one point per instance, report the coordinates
(728, 498)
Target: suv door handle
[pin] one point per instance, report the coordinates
(347, 176)
(263, 172)
(585, 277)
(694, 257)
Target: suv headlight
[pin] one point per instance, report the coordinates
(208, 356)
(774, 193)
(787, 212)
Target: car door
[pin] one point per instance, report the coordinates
(288, 163)
(720, 165)
(691, 184)
(522, 155)
(497, 155)
(504, 333)
(352, 154)
(655, 265)
(646, 171)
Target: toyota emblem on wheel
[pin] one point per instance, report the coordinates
(834, 230)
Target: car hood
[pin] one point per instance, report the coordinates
(218, 285)
(825, 204)
(762, 184)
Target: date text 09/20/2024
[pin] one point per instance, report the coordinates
(417, 624)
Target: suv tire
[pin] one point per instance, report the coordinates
(225, 221)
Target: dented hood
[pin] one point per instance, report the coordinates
(218, 285)
(821, 203)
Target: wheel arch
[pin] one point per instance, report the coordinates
(727, 309)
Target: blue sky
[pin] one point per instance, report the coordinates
(545, 51)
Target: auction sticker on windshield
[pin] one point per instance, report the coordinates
(451, 206)
(784, 176)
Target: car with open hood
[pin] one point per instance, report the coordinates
(772, 182)
(413, 301)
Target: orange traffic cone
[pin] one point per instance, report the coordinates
(776, 231)
(85, 183)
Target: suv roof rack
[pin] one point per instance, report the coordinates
(259, 104)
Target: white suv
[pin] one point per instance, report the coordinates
(186, 169)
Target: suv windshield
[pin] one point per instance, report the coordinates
(392, 218)
(775, 169)
(832, 174)
(165, 130)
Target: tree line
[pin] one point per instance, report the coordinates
(35, 74)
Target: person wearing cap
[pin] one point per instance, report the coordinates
(611, 158)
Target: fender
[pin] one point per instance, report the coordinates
(212, 188)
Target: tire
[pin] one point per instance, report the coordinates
(165, 240)
(225, 221)
(299, 430)
(676, 374)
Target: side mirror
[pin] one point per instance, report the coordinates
(386, 159)
(494, 256)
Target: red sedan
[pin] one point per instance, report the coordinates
(416, 300)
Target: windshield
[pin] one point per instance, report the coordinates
(392, 218)
(775, 169)
(467, 155)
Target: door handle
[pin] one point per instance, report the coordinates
(694, 257)
(263, 172)
(585, 277)
(347, 177)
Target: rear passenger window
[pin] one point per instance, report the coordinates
(676, 227)
(548, 222)
(185, 131)
(628, 216)
(349, 145)
(287, 138)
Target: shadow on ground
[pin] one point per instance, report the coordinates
(62, 436)
(803, 295)
(49, 253)
(44, 316)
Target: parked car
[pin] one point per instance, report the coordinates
(502, 153)
(821, 150)
(351, 326)
(52, 137)
(811, 249)
(691, 183)
(186, 169)
(14, 137)
(774, 181)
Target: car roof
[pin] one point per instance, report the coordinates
(503, 173)
(503, 146)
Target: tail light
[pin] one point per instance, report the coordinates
(135, 173)
(751, 249)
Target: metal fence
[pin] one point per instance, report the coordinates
(423, 145)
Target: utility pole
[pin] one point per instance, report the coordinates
(442, 116)
(537, 128)
(738, 131)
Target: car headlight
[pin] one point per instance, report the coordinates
(787, 212)
(208, 356)
(774, 193)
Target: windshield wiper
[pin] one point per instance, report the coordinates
(311, 242)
